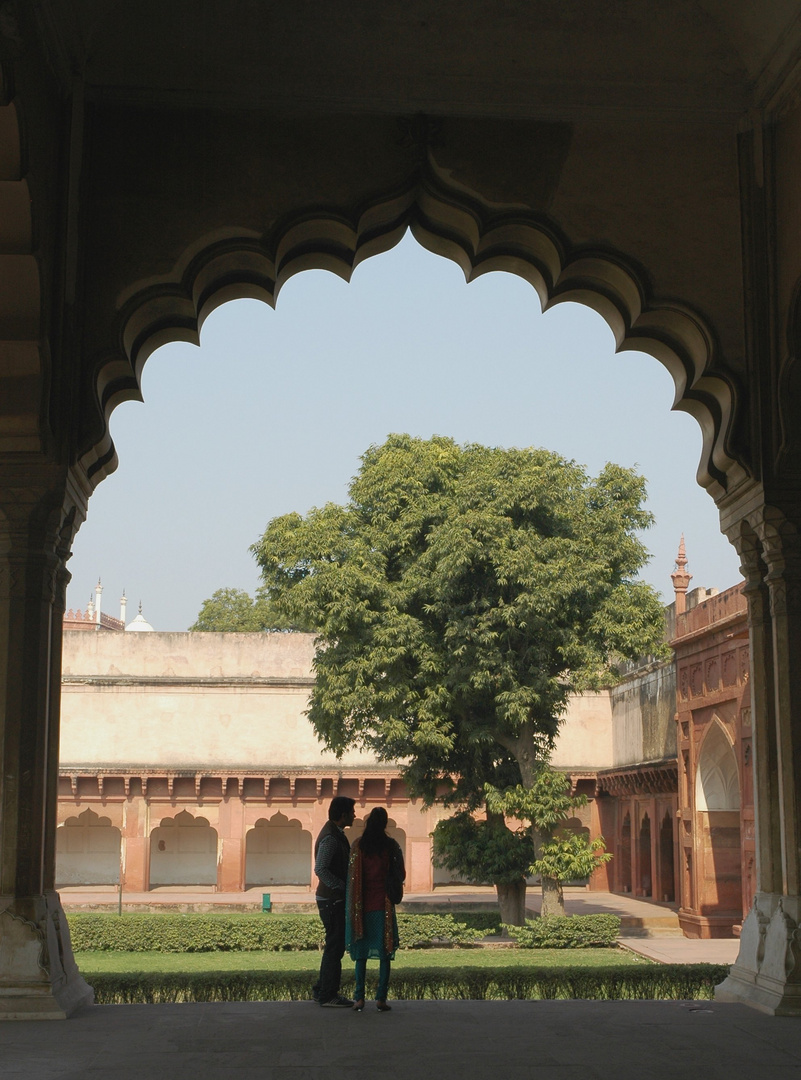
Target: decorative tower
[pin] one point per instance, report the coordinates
(681, 579)
(123, 606)
(98, 595)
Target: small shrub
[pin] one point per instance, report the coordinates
(419, 931)
(567, 932)
(673, 982)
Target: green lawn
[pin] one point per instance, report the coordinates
(92, 962)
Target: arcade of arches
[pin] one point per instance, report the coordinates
(154, 164)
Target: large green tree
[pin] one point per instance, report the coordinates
(462, 594)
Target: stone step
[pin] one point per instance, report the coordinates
(651, 932)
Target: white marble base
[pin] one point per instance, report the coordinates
(40, 980)
(767, 973)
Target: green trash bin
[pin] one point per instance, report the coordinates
(266, 902)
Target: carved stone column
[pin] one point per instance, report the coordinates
(39, 512)
(767, 973)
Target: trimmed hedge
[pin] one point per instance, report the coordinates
(247, 933)
(567, 932)
(673, 982)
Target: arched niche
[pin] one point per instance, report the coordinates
(575, 826)
(624, 869)
(87, 851)
(645, 862)
(183, 851)
(667, 875)
(718, 837)
(278, 851)
(717, 780)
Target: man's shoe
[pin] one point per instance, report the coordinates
(337, 1002)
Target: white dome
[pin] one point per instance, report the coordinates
(139, 624)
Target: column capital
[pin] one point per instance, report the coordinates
(780, 541)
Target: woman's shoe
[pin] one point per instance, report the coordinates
(382, 1006)
(358, 1006)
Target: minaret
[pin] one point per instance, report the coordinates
(98, 594)
(123, 605)
(681, 579)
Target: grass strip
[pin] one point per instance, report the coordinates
(525, 982)
(441, 959)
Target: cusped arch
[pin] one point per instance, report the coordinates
(88, 819)
(451, 223)
(183, 851)
(88, 849)
(717, 779)
(278, 851)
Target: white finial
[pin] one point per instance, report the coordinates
(123, 606)
(98, 594)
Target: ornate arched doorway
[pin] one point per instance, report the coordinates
(156, 197)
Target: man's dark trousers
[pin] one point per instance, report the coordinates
(332, 914)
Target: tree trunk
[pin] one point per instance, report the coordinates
(553, 901)
(512, 902)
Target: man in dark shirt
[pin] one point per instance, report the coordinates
(331, 857)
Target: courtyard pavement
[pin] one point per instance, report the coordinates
(418, 1040)
(578, 901)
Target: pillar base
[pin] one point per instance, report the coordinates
(39, 979)
(767, 972)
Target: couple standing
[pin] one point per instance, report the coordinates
(356, 895)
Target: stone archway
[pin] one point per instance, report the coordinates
(624, 871)
(644, 861)
(183, 851)
(158, 199)
(719, 873)
(278, 851)
(88, 851)
(667, 874)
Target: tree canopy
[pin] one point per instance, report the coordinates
(236, 611)
(464, 589)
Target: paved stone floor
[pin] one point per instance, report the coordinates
(550, 1040)
(685, 950)
(578, 901)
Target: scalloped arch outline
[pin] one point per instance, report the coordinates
(237, 264)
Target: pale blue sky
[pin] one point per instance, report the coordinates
(272, 413)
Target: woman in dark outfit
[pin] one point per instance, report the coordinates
(371, 929)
